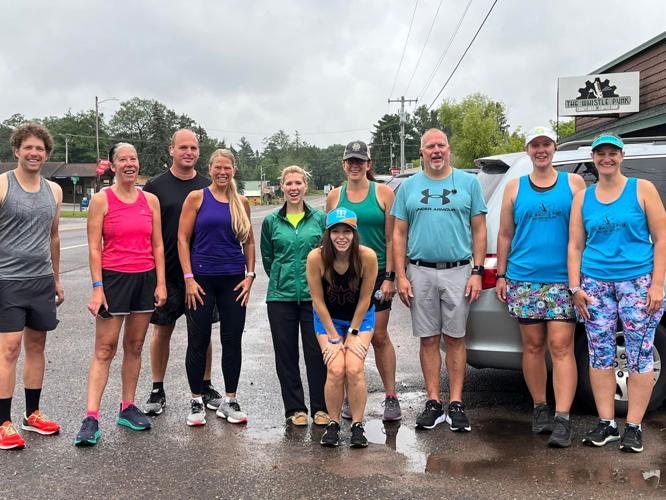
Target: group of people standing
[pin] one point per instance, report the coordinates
(184, 245)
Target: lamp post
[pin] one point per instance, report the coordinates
(97, 103)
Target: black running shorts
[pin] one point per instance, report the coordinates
(28, 303)
(128, 293)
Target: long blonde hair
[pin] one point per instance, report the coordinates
(240, 222)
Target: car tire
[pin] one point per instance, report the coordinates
(584, 395)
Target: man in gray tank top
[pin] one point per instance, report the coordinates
(29, 277)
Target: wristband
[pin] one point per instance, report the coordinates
(478, 270)
(334, 341)
(389, 276)
(500, 276)
(97, 284)
(188, 275)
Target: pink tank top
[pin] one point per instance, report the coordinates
(126, 234)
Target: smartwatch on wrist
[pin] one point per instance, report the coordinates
(500, 276)
(575, 289)
(389, 276)
(352, 331)
(478, 270)
(251, 274)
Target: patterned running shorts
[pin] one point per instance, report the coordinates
(628, 299)
(539, 301)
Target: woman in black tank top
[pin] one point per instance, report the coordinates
(341, 275)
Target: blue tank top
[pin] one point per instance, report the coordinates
(618, 246)
(215, 249)
(539, 246)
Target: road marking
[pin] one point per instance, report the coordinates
(74, 246)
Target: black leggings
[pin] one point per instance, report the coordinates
(219, 291)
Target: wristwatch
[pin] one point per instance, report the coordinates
(575, 289)
(389, 276)
(251, 274)
(498, 276)
(352, 331)
(478, 270)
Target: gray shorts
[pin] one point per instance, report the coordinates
(439, 305)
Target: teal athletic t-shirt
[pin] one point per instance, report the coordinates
(439, 220)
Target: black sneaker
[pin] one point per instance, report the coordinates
(358, 439)
(458, 421)
(156, 402)
(561, 436)
(211, 398)
(541, 423)
(602, 434)
(89, 433)
(133, 418)
(632, 440)
(432, 415)
(331, 437)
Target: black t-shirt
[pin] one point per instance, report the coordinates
(172, 191)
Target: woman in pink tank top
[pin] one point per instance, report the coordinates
(127, 268)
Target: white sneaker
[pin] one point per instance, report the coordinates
(197, 414)
(231, 410)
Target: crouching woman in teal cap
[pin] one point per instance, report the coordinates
(341, 276)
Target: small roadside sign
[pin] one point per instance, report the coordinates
(75, 179)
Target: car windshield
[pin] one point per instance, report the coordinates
(490, 175)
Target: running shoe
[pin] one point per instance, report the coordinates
(197, 414)
(358, 439)
(299, 419)
(392, 411)
(456, 418)
(632, 439)
(9, 437)
(602, 434)
(321, 418)
(346, 410)
(156, 402)
(133, 418)
(89, 433)
(232, 412)
(561, 435)
(431, 416)
(39, 423)
(541, 423)
(331, 436)
(211, 398)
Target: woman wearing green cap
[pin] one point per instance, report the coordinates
(617, 261)
(341, 276)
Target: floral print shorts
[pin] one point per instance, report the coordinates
(539, 301)
(628, 300)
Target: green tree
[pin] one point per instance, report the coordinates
(477, 126)
(6, 128)
(564, 128)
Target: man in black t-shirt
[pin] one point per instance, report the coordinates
(171, 188)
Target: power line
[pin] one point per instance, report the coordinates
(395, 80)
(445, 51)
(418, 61)
(463, 56)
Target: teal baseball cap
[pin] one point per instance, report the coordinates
(341, 216)
(607, 139)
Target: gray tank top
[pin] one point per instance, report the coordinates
(25, 231)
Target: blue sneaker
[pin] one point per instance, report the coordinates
(89, 433)
(133, 418)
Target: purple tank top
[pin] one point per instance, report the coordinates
(215, 249)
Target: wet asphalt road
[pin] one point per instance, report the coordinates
(500, 458)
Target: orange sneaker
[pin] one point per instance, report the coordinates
(39, 423)
(9, 438)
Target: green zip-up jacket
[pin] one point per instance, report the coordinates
(284, 251)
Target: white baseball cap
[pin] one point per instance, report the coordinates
(540, 132)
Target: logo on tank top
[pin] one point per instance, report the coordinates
(608, 226)
(543, 212)
(338, 294)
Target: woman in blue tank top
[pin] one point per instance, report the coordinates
(216, 251)
(617, 261)
(532, 280)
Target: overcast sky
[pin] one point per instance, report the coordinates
(325, 68)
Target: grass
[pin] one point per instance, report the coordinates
(74, 214)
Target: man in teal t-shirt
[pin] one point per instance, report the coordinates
(440, 225)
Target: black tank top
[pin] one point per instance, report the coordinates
(340, 299)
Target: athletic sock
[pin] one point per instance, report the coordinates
(636, 426)
(159, 386)
(125, 404)
(611, 423)
(537, 405)
(93, 413)
(198, 399)
(227, 399)
(5, 410)
(32, 400)
(394, 395)
(562, 414)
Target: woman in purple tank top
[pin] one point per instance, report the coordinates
(216, 250)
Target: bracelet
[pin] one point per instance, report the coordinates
(97, 284)
(334, 341)
(500, 276)
(188, 275)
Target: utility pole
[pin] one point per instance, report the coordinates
(97, 126)
(402, 102)
(66, 149)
